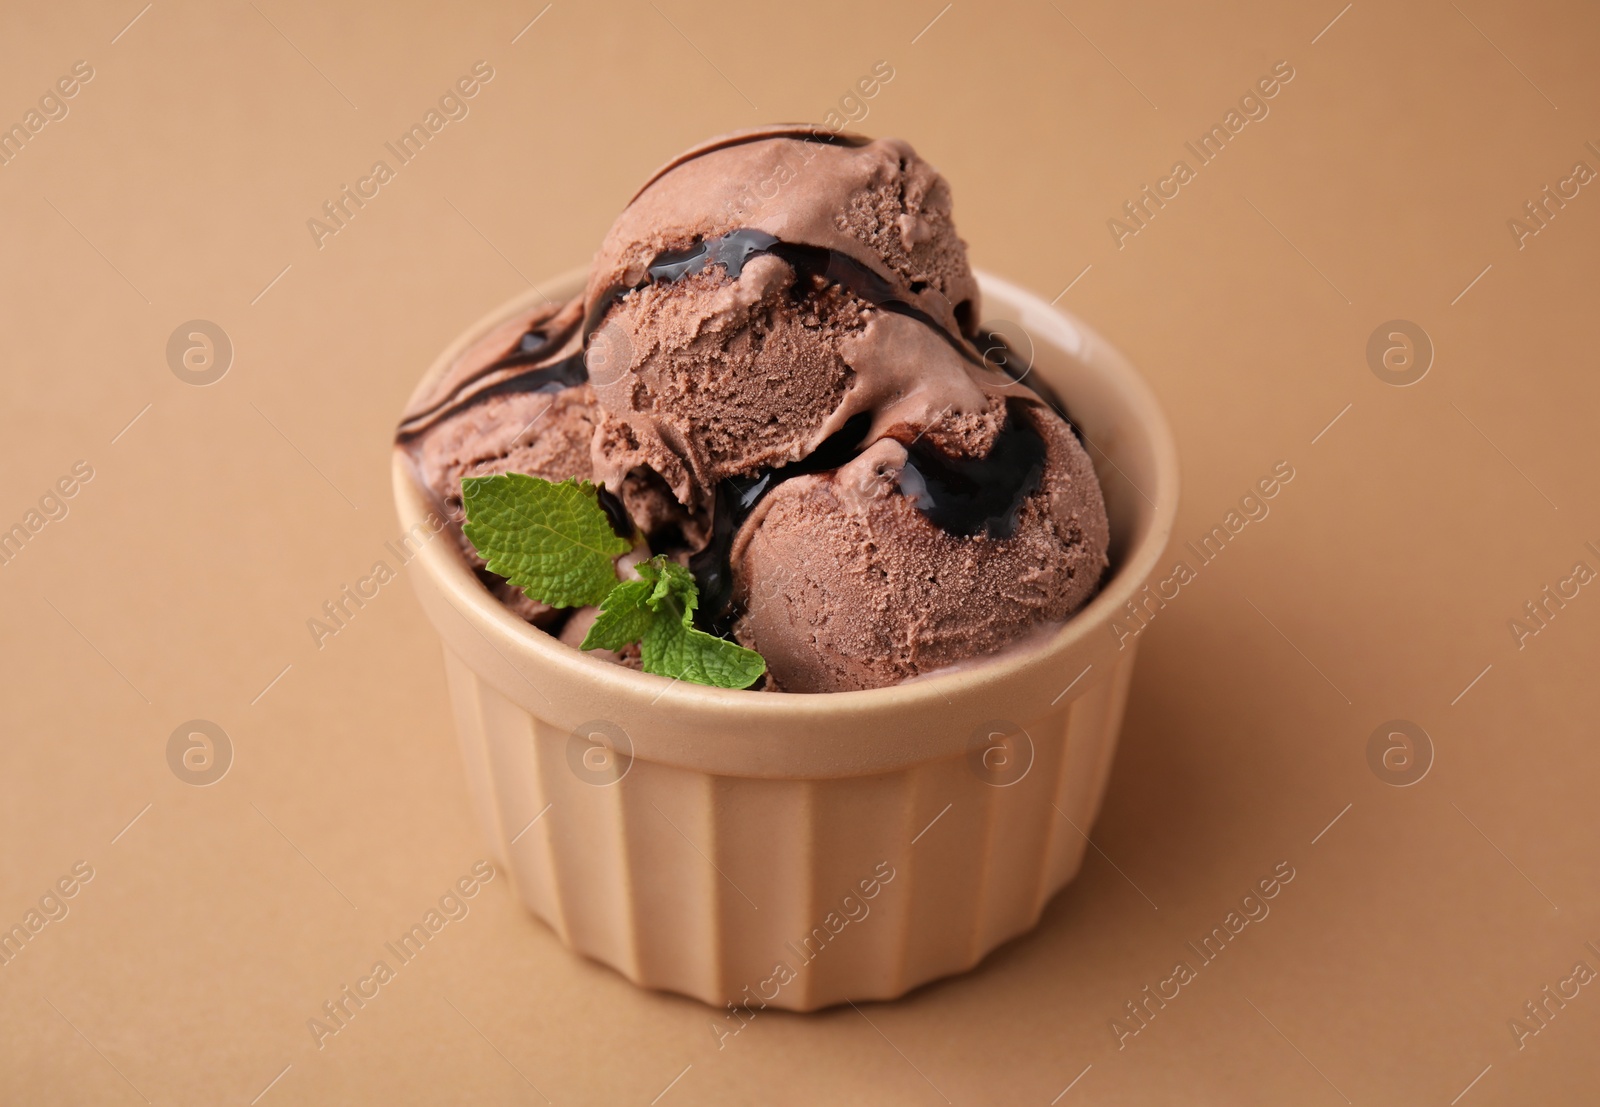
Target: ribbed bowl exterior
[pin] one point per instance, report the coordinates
(798, 851)
(713, 885)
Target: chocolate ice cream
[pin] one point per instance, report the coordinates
(774, 376)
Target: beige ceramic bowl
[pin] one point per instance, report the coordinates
(792, 850)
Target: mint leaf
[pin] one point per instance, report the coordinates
(671, 581)
(673, 647)
(624, 617)
(553, 541)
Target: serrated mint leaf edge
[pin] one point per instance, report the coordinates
(585, 572)
(624, 617)
(674, 647)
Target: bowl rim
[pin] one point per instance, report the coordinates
(527, 647)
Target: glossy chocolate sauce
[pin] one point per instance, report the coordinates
(965, 495)
(961, 496)
(616, 514)
(999, 354)
(533, 348)
(801, 132)
(569, 372)
(811, 264)
(730, 251)
(737, 497)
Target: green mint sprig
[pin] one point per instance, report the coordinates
(550, 540)
(555, 543)
(657, 611)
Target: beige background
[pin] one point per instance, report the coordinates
(1380, 586)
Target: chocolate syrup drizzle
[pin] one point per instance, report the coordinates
(802, 132)
(732, 251)
(534, 349)
(963, 496)
(616, 514)
(997, 352)
(569, 372)
(737, 497)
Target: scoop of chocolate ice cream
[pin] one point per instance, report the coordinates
(517, 402)
(733, 297)
(900, 562)
(773, 370)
